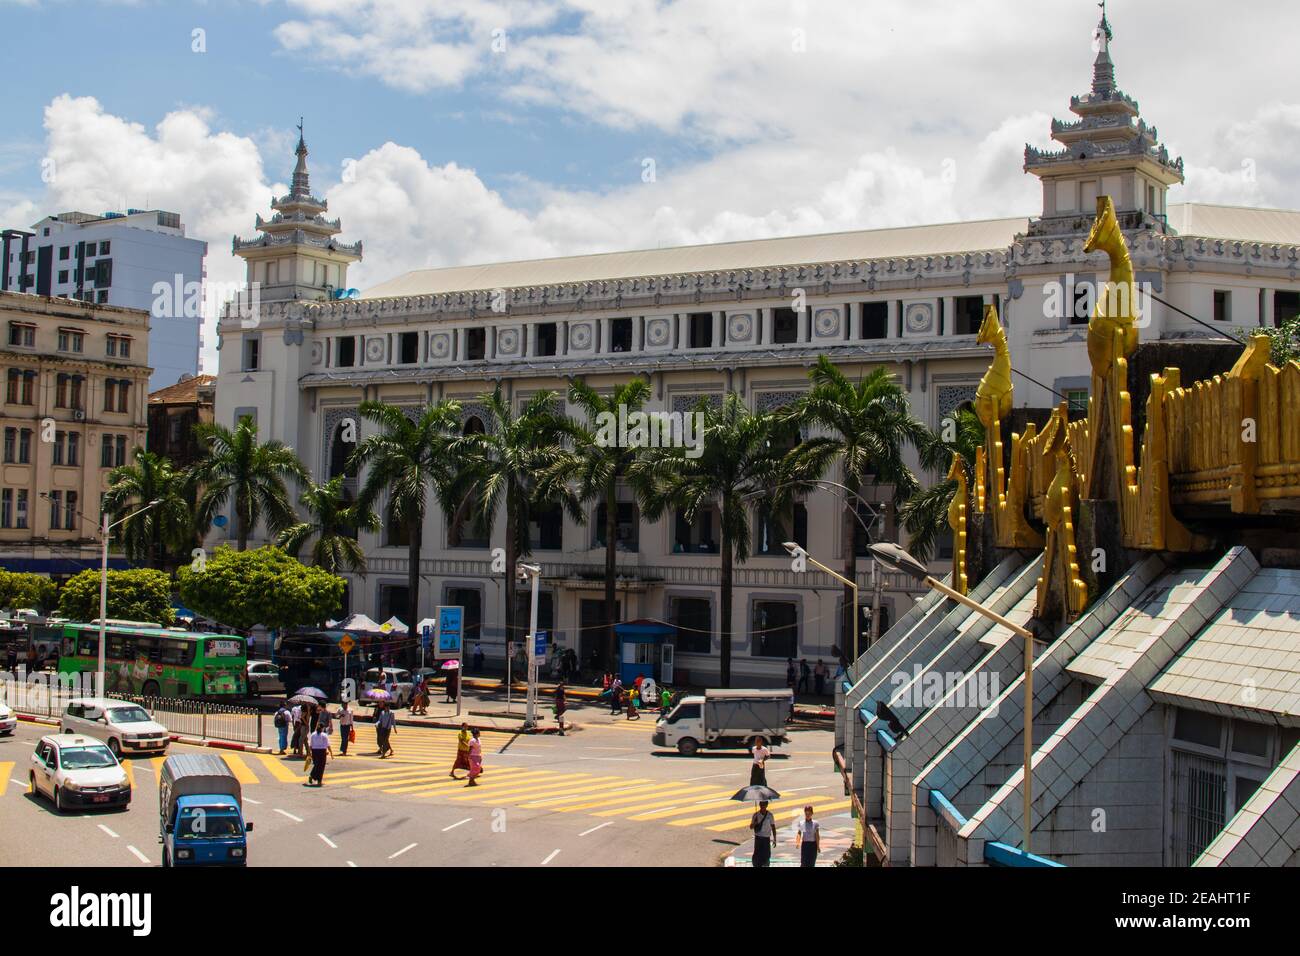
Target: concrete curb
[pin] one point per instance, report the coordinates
(175, 738)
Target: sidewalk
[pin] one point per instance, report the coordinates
(837, 837)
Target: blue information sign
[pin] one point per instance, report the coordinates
(539, 644)
(426, 637)
(450, 631)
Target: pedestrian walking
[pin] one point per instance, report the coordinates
(819, 677)
(616, 696)
(295, 716)
(325, 720)
(764, 826)
(475, 758)
(805, 672)
(346, 727)
(462, 752)
(632, 712)
(385, 726)
(808, 838)
(758, 770)
(11, 661)
(453, 685)
(665, 702)
(283, 716)
(478, 658)
(790, 675)
(421, 705)
(560, 706)
(319, 744)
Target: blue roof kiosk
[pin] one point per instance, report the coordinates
(644, 651)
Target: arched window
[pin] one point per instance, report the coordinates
(340, 451)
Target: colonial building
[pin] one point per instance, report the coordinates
(118, 258)
(174, 411)
(744, 317)
(76, 377)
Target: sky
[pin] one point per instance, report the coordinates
(446, 132)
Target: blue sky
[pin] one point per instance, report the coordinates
(487, 130)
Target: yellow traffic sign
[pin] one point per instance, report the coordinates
(346, 644)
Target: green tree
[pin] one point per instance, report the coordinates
(748, 459)
(600, 465)
(1284, 340)
(242, 589)
(235, 465)
(141, 594)
(866, 425)
(924, 515)
(408, 461)
(23, 589)
(334, 522)
(150, 537)
(520, 464)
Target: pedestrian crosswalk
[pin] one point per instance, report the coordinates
(420, 771)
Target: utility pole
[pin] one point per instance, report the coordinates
(534, 572)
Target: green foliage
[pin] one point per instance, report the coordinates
(141, 594)
(925, 513)
(1284, 340)
(334, 523)
(264, 586)
(19, 589)
(149, 536)
(237, 467)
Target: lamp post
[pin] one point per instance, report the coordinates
(895, 558)
(798, 551)
(105, 528)
(531, 572)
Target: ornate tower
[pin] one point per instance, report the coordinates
(296, 256)
(1109, 150)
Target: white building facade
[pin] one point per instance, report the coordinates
(743, 317)
(119, 259)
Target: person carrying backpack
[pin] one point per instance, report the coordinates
(281, 722)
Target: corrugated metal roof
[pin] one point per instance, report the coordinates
(1192, 219)
(1248, 657)
(755, 253)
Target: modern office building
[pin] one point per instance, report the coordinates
(743, 317)
(75, 385)
(119, 259)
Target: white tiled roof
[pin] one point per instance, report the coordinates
(1192, 219)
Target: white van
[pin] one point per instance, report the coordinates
(725, 720)
(124, 726)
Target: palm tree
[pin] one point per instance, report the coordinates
(925, 514)
(866, 425)
(148, 537)
(600, 466)
(236, 465)
(518, 464)
(334, 522)
(743, 462)
(408, 459)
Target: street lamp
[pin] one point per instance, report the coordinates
(798, 551)
(525, 573)
(895, 558)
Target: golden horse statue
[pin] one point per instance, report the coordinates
(993, 394)
(1061, 579)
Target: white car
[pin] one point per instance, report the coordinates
(125, 727)
(264, 679)
(76, 771)
(397, 681)
(7, 720)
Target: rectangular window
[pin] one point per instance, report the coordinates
(775, 629)
(70, 511)
(20, 518)
(104, 273)
(56, 510)
(11, 445)
(63, 253)
(104, 247)
(1222, 305)
(252, 353)
(785, 326)
(475, 345)
(545, 528)
(1084, 297)
(345, 352)
(63, 276)
(12, 379)
(626, 526)
(71, 341)
(696, 537)
(106, 452)
(24, 446)
(102, 297)
(119, 451)
(546, 337)
(6, 508)
(875, 320)
(701, 331)
(1077, 399)
(57, 450)
(110, 394)
(409, 348)
(1198, 727)
(693, 620)
(967, 314)
(620, 335)
(22, 335)
(74, 448)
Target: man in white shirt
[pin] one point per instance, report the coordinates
(763, 824)
(808, 838)
(758, 771)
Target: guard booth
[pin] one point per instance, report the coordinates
(645, 651)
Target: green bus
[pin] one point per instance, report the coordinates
(157, 661)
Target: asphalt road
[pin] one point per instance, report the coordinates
(602, 796)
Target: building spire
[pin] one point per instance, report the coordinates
(1103, 70)
(301, 187)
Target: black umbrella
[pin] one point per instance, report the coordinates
(754, 794)
(315, 692)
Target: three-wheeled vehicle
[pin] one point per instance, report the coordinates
(200, 815)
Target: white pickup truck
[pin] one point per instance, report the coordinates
(725, 720)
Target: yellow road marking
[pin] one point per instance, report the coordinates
(693, 806)
(284, 772)
(635, 791)
(6, 768)
(776, 806)
(243, 773)
(566, 782)
(494, 785)
(444, 783)
(668, 800)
